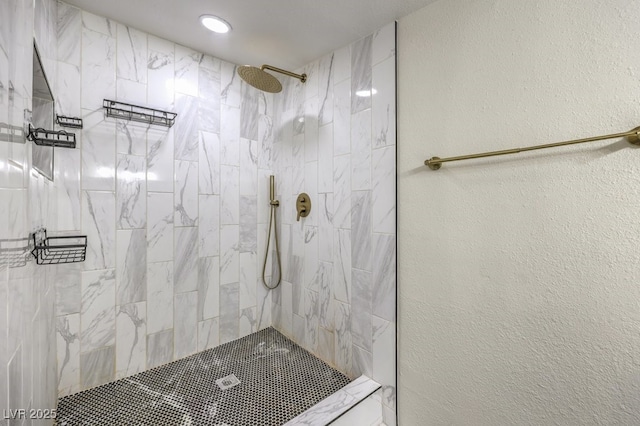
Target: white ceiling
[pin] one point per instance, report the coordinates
(283, 33)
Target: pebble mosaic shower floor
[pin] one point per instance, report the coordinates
(278, 381)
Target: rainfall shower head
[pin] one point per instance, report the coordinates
(262, 80)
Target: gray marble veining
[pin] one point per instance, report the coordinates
(361, 74)
(185, 257)
(361, 331)
(186, 128)
(208, 288)
(336, 404)
(248, 228)
(229, 312)
(68, 342)
(132, 54)
(131, 192)
(249, 112)
(160, 214)
(384, 276)
(159, 297)
(131, 339)
(361, 230)
(98, 309)
(209, 225)
(98, 221)
(69, 31)
(97, 367)
(209, 163)
(186, 193)
(131, 266)
(185, 322)
(160, 162)
(159, 348)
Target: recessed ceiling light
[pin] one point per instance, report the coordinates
(215, 24)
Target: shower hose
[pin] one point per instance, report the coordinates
(272, 223)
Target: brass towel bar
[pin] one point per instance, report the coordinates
(633, 137)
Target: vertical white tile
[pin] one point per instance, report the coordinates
(230, 135)
(185, 257)
(229, 254)
(248, 167)
(229, 312)
(209, 163)
(311, 129)
(384, 190)
(186, 194)
(186, 323)
(325, 227)
(361, 74)
(383, 105)
(68, 353)
(98, 152)
(160, 176)
(342, 191)
(160, 73)
(98, 223)
(361, 248)
(159, 297)
(208, 288)
(384, 358)
(342, 265)
(247, 283)
(98, 68)
(326, 70)
(131, 345)
(361, 151)
(132, 54)
(384, 43)
(186, 70)
(208, 334)
(69, 32)
(229, 195)
(67, 186)
(384, 276)
(186, 137)
(325, 159)
(229, 85)
(159, 226)
(131, 269)
(98, 316)
(311, 257)
(209, 225)
(342, 118)
(159, 348)
(131, 192)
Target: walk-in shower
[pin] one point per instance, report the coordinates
(273, 205)
(262, 80)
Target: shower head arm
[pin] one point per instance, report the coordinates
(301, 77)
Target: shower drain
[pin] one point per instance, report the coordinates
(228, 382)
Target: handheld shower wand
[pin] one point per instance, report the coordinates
(272, 222)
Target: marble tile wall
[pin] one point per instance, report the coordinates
(172, 215)
(27, 295)
(335, 140)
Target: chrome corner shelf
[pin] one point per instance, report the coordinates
(54, 138)
(57, 250)
(138, 113)
(73, 122)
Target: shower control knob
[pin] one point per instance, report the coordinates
(303, 205)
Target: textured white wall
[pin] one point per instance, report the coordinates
(519, 276)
